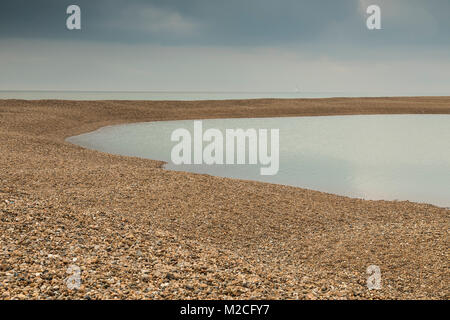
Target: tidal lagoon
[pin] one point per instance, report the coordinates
(375, 157)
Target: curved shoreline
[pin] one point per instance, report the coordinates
(122, 215)
(94, 144)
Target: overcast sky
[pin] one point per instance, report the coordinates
(228, 45)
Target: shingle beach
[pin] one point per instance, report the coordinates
(138, 231)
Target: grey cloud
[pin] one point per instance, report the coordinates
(229, 22)
(235, 45)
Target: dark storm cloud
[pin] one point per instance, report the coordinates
(229, 22)
(227, 45)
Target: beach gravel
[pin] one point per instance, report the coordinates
(128, 229)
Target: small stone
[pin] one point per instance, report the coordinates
(4, 267)
(170, 276)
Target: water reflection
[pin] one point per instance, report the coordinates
(391, 157)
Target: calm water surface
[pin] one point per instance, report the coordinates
(391, 157)
(190, 95)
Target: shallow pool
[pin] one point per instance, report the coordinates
(391, 157)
